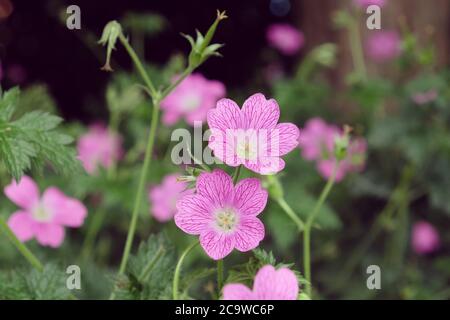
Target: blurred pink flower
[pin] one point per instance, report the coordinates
(99, 146)
(317, 143)
(425, 238)
(269, 284)
(425, 97)
(285, 38)
(366, 3)
(43, 218)
(192, 99)
(223, 215)
(164, 197)
(382, 46)
(252, 135)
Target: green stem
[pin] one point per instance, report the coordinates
(219, 276)
(307, 229)
(146, 271)
(288, 210)
(357, 50)
(91, 234)
(172, 86)
(176, 277)
(236, 174)
(113, 129)
(31, 258)
(140, 68)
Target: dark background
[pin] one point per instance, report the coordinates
(33, 37)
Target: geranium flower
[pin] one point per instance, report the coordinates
(223, 215)
(43, 218)
(191, 99)
(382, 46)
(424, 238)
(318, 143)
(269, 284)
(424, 97)
(251, 136)
(164, 197)
(99, 147)
(285, 38)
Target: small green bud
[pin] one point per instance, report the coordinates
(341, 144)
(325, 54)
(110, 34)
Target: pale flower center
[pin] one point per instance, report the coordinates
(191, 102)
(41, 214)
(246, 150)
(226, 219)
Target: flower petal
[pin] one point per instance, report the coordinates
(226, 115)
(271, 284)
(285, 138)
(249, 197)
(48, 234)
(260, 113)
(266, 166)
(194, 214)
(66, 211)
(21, 223)
(237, 291)
(216, 245)
(25, 194)
(249, 234)
(216, 186)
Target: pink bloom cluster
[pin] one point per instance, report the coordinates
(164, 197)
(99, 147)
(318, 143)
(191, 99)
(425, 97)
(223, 215)
(269, 284)
(366, 3)
(382, 46)
(43, 218)
(285, 38)
(251, 136)
(425, 238)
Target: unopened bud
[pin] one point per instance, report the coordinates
(109, 37)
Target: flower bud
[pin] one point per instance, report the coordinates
(110, 34)
(341, 144)
(325, 54)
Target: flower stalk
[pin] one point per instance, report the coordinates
(176, 277)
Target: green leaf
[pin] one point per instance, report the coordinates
(8, 103)
(150, 272)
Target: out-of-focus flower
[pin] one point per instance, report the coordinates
(285, 38)
(425, 238)
(366, 3)
(99, 147)
(192, 99)
(424, 97)
(251, 136)
(382, 46)
(163, 197)
(318, 143)
(269, 284)
(223, 215)
(43, 218)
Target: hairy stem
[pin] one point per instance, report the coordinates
(307, 229)
(176, 277)
(219, 277)
(291, 214)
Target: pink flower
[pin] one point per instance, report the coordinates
(223, 215)
(425, 97)
(366, 3)
(318, 142)
(425, 238)
(270, 284)
(165, 196)
(252, 135)
(99, 147)
(43, 218)
(382, 46)
(285, 38)
(192, 99)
